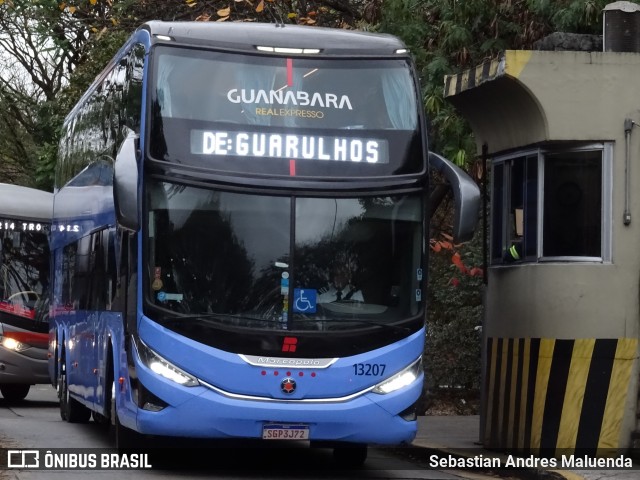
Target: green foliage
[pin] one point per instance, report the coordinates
(572, 16)
(454, 313)
(45, 169)
(102, 48)
(17, 158)
(448, 37)
(45, 135)
(75, 39)
(444, 36)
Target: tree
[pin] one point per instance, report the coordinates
(54, 49)
(448, 37)
(42, 45)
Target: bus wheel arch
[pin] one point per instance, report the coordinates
(58, 355)
(105, 418)
(110, 386)
(71, 410)
(124, 438)
(60, 371)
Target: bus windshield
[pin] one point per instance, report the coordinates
(302, 263)
(24, 270)
(223, 111)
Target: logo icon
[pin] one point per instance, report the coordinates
(289, 344)
(288, 385)
(305, 300)
(23, 459)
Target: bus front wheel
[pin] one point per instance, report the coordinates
(350, 456)
(125, 438)
(14, 392)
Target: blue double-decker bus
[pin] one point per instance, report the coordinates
(240, 216)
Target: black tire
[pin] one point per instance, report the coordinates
(125, 438)
(105, 419)
(350, 456)
(71, 410)
(14, 392)
(61, 398)
(100, 419)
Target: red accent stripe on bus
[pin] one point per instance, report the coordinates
(18, 310)
(292, 168)
(290, 72)
(30, 338)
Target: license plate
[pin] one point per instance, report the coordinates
(281, 431)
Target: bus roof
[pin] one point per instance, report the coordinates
(25, 203)
(247, 36)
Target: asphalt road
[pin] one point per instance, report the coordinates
(35, 424)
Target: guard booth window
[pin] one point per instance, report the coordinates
(573, 204)
(551, 205)
(515, 203)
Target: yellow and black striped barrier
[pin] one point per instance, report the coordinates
(550, 396)
(511, 63)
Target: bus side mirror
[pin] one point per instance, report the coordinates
(125, 184)
(466, 194)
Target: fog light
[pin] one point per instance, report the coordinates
(409, 414)
(152, 407)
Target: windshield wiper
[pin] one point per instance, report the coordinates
(362, 321)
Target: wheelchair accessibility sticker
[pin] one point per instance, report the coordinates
(304, 300)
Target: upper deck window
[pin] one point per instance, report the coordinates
(300, 92)
(219, 109)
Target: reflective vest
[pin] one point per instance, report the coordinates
(513, 251)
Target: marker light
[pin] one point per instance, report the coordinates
(163, 367)
(306, 51)
(401, 50)
(166, 38)
(401, 379)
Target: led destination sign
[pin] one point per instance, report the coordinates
(21, 226)
(290, 146)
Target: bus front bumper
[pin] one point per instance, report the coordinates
(28, 367)
(369, 418)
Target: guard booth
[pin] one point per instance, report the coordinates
(561, 132)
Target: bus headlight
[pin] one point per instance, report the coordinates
(13, 344)
(401, 379)
(164, 367)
